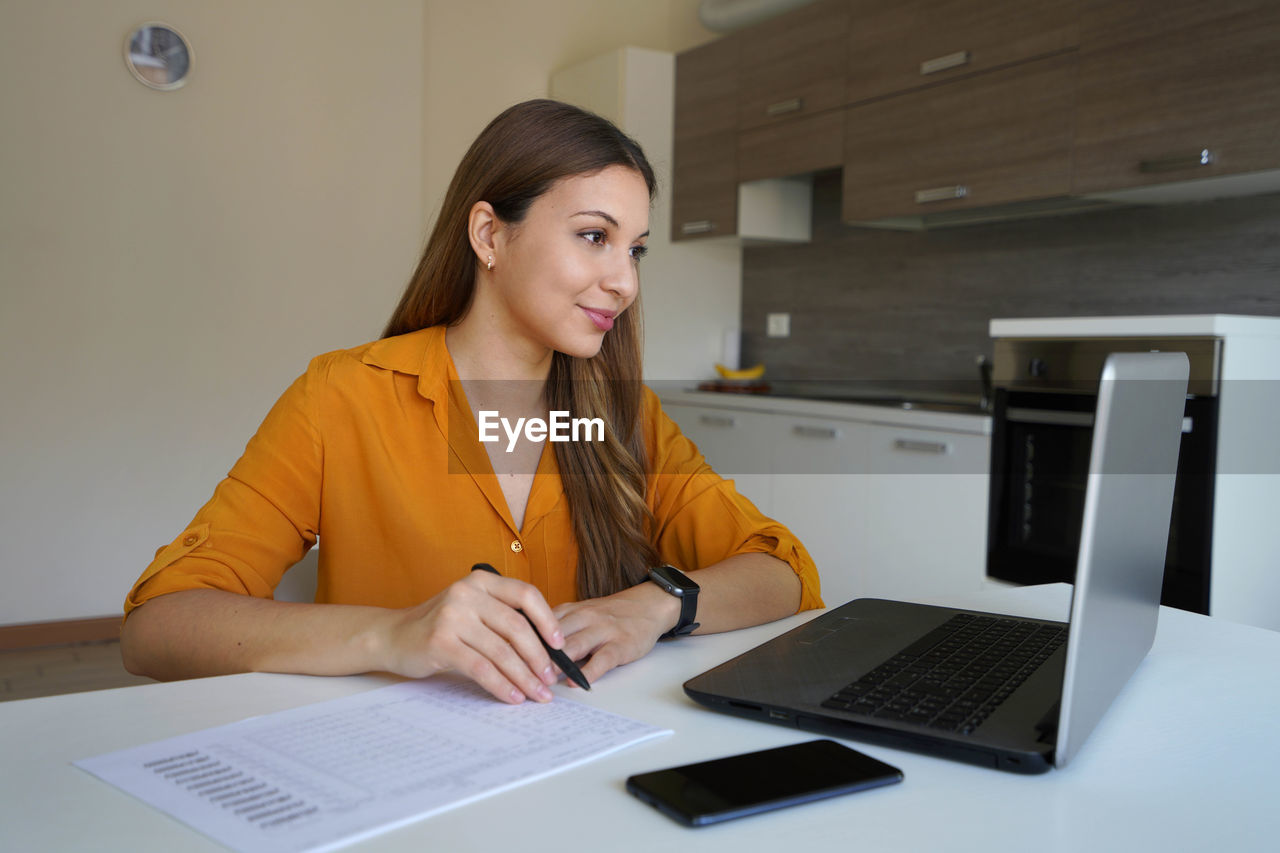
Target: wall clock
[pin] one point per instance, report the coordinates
(158, 55)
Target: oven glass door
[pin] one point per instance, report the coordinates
(1039, 464)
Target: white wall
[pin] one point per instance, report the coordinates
(170, 261)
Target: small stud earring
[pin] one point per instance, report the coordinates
(489, 266)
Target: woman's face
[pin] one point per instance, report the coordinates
(564, 274)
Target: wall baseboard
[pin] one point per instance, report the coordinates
(59, 633)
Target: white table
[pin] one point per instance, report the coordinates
(1188, 758)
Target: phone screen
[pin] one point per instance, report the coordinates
(740, 785)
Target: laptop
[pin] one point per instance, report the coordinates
(1008, 692)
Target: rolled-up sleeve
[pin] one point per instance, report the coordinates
(261, 519)
(699, 517)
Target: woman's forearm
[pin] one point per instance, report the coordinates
(745, 590)
(204, 632)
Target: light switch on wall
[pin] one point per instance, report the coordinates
(778, 325)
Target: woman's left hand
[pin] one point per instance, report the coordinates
(616, 629)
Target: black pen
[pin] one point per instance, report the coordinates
(567, 666)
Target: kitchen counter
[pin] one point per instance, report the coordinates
(893, 407)
(1208, 325)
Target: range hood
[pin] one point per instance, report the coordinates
(724, 16)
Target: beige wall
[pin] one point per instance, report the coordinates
(169, 261)
(484, 55)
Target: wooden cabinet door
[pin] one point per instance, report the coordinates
(802, 145)
(1161, 81)
(897, 45)
(793, 65)
(989, 139)
(704, 179)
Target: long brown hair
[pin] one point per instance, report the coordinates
(513, 161)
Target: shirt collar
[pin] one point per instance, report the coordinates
(422, 354)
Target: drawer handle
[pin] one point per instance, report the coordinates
(1204, 157)
(815, 432)
(941, 448)
(941, 193)
(701, 226)
(781, 108)
(942, 63)
(716, 420)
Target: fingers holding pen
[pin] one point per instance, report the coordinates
(474, 628)
(524, 598)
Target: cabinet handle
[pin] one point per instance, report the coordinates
(939, 447)
(1204, 157)
(942, 63)
(716, 420)
(941, 193)
(702, 226)
(815, 432)
(781, 108)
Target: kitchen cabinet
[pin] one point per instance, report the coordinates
(802, 145)
(960, 111)
(888, 502)
(793, 66)
(899, 46)
(757, 105)
(989, 139)
(928, 515)
(791, 89)
(1162, 81)
(735, 443)
(704, 180)
(819, 467)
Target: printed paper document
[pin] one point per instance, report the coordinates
(327, 774)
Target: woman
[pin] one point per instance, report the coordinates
(519, 308)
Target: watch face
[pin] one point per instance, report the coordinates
(677, 579)
(158, 56)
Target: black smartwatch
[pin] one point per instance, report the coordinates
(678, 584)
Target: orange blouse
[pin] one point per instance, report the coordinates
(358, 454)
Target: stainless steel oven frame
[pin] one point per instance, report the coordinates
(1045, 393)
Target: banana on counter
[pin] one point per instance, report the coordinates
(738, 375)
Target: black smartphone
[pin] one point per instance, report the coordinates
(740, 785)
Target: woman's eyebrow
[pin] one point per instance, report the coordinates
(600, 213)
(607, 218)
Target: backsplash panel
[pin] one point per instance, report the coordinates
(913, 307)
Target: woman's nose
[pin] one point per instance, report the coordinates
(621, 279)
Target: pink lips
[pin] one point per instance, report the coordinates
(602, 319)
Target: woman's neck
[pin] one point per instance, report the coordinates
(498, 367)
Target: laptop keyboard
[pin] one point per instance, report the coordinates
(954, 676)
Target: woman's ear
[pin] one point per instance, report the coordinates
(481, 227)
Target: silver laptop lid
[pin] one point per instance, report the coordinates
(1127, 507)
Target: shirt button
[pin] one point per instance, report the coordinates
(516, 546)
(190, 539)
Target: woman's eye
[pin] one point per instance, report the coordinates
(596, 237)
(638, 252)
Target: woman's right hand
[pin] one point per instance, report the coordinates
(474, 628)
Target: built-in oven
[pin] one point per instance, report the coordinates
(1045, 393)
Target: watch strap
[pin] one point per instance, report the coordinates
(679, 585)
